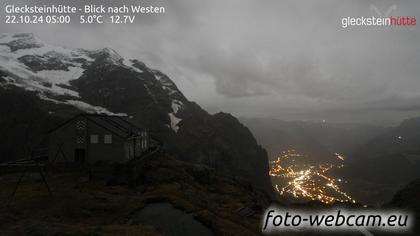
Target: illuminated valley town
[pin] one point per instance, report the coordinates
(295, 177)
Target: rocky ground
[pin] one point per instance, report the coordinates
(117, 204)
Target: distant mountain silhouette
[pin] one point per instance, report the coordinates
(387, 162)
(320, 140)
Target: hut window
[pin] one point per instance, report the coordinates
(80, 139)
(108, 138)
(94, 138)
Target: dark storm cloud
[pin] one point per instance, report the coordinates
(270, 58)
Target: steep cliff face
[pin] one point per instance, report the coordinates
(61, 82)
(212, 141)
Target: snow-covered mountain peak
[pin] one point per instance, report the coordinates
(26, 44)
(29, 63)
(108, 55)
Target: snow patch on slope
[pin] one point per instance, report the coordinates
(176, 106)
(40, 81)
(174, 122)
(108, 56)
(166, 83)
(83, 106)
(128, 64)
(170, 88)
(92, 109)
(45, 48)
(60, 76)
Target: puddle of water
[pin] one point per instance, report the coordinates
(170, 220)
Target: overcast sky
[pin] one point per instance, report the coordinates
(283, 59)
